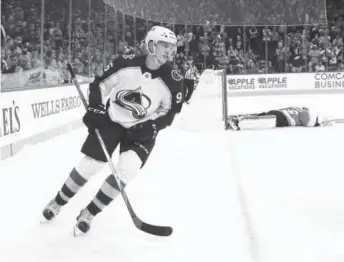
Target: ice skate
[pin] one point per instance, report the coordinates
(51, 210)
(83, 224)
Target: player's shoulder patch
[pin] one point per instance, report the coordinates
(99, 74)
(176, 75)
(128, 56)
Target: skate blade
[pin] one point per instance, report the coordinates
(77, 232)
(43, 220)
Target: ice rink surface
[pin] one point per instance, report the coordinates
(293, 180)
(185, 185)
(267, 195)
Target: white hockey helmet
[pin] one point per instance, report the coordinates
(159, 33)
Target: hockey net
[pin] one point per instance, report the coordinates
(322, 93)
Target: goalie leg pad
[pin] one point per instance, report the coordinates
(250, 122)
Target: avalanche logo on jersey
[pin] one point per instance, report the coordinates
(134, 101)
(176, 76)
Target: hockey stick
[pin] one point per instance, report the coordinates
(148, 228)
(332, 122)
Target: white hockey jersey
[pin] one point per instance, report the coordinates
(134, 93)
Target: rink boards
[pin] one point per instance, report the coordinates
(29, 113)
(37, 112)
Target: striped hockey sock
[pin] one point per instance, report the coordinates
(72, 185)
(108, 192)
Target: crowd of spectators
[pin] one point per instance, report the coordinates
(227, 12)
(98, 34)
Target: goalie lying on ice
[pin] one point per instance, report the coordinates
(285, 117)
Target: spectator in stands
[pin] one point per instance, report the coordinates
(296, 60)
(315, 56)
(251, 61)
(341, 67)
(281, 54)
(14, 67)
(35, 58)
(50, 59)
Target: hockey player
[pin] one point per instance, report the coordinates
(284, 117)
(133, 99)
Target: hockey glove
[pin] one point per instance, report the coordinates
(95, 117)
(145, 131)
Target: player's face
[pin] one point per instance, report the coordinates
(164, 51)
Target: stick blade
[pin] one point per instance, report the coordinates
(162, 231)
